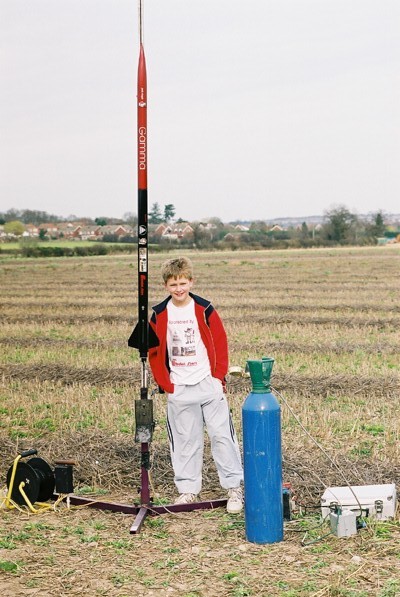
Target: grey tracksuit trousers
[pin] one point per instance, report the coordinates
(189, 408)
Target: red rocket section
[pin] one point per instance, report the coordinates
(142, 120)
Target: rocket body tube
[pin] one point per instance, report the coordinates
(142, 205)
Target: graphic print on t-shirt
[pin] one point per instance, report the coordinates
(188, 357)
(183, 342)
(188, 348)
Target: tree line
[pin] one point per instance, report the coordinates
(339, 227)
(157, 214)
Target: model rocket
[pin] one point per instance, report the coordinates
(142, 203)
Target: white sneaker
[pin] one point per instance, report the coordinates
(235, 500)
(186, 498)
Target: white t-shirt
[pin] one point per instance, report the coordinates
(188, 359)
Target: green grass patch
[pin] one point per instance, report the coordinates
(7, 566)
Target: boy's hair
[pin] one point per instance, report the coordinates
(176, 268)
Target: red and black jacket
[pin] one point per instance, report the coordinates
(212, 333)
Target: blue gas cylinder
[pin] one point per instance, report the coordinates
(262, 458)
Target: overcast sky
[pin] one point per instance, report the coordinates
(257, 109)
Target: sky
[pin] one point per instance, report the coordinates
(256, 110)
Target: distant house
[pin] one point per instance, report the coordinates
(50, 228)
(66, 229)
(174, 231)
(114, 230)
(85, 232)
(183, 230)
(31, 231)
(161, 228)
(276, 228)
(242, 228)
(129, 230)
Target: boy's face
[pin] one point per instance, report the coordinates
(179, 289)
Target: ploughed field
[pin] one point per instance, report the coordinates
(331, 321)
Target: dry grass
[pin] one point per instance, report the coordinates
(330, 318)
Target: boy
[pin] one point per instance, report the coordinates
(190, 362)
